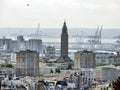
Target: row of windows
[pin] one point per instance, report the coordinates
(102, 57)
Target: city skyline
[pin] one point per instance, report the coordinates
(51, 13)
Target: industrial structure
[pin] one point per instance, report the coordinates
(91, 39)
(9, 45)
(34, 44)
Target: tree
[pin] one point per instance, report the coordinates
(51, 71)
(69, 67)
(116, 64)
(57, 70)
(116, 84)
(6, 64)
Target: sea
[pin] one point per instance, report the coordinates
(53, 34)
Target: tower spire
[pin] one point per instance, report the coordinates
(64, 58)
(64, 23)
(64, 28)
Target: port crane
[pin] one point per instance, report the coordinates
(92, 39)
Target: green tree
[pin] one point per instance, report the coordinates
(69, 67)
(6, 64)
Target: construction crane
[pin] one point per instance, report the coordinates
(100, 34)
(38, 35)
(96, 39)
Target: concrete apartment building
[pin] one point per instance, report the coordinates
(106, 73)
(27, 63)
(5, 44)
(84, 59)
(34, 45)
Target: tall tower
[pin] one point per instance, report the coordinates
(64, 41)
(64, 58)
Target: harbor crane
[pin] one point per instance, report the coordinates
(92, 39)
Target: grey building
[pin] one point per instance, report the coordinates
(9, 45)
(20, 43)
(50, 52)
(27, 63)
(34, 45)
(5, 44)
(84, 59)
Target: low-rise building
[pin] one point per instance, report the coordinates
(106, 73)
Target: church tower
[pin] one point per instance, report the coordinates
(64, 58)
(64, 41)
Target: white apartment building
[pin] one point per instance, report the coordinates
(83, 77)
(106, 73)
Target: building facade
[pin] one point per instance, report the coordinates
(34, 45)
(20, 43)
(50, 52)
(83, 77)
(104, 57)
(106, 73)
(27, 63)
(84, 59)
(5, 44)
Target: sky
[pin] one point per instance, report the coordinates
(52, 13)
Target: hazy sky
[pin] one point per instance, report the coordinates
(52, 13)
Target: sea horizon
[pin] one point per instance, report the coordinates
(56, 32)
